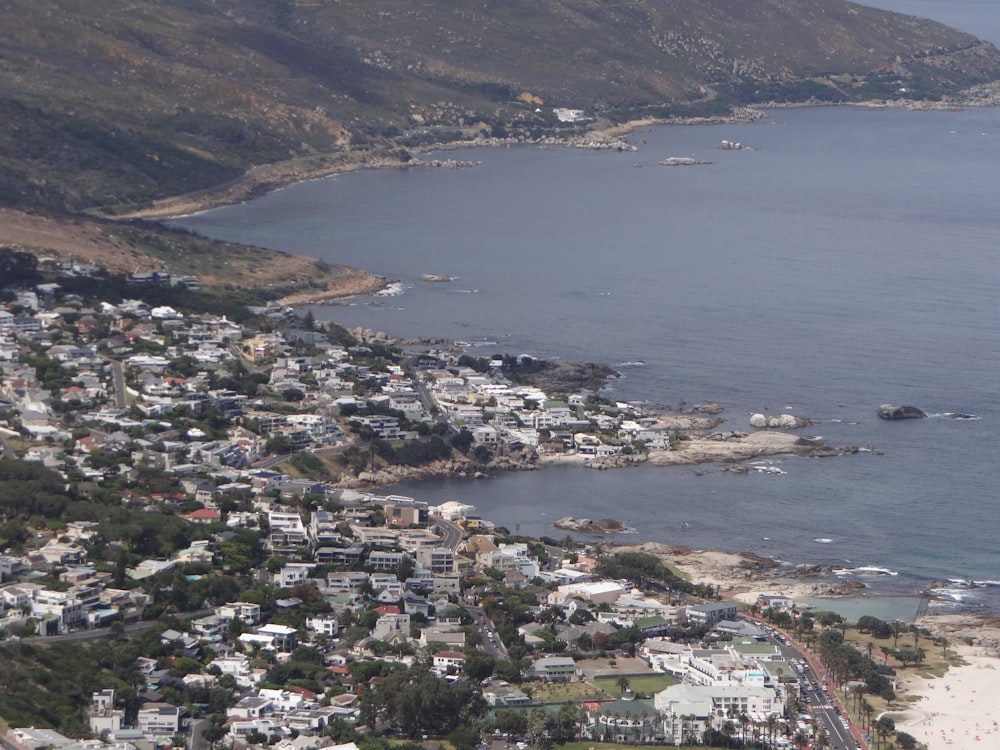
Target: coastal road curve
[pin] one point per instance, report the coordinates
(451, 534)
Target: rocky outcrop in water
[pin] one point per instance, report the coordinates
(892, 411)
(781, 421)
(589, 526)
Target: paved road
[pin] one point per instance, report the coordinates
(489, 641)
(451, 534)
(196, 741)
(431, 405)
(821, 698)
(101, 634)
(85, 636)
(118, 377)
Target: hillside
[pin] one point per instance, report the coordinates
(110, 105)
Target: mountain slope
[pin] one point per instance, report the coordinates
(114, 104)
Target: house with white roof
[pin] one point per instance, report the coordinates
(597, 592)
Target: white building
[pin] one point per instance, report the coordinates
(159, 719)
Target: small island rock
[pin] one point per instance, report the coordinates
(892, 411)
(781, 421)
(589, 526)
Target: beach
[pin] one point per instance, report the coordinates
(961, 709)
(958, 709)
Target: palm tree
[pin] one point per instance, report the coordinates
(801, 738)
(859, 692)
(867, 710)
(744, 720)
(622, 684)
(728, 729)
(898, 626)
(772, 726)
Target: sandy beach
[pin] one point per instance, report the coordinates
(961, 709)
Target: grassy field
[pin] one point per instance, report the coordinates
(645, 684)
(561, 692)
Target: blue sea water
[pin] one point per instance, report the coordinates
(846, 258)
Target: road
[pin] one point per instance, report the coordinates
(118, 377)
(822, 701)
(451, 534)
(196, 741)
(99, 634)
(489, 641)
(431, 406)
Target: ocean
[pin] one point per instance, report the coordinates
(844, 258)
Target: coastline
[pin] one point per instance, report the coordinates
(697, 450)
(266, 178)
(725, 449)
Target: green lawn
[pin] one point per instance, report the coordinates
(646, 684)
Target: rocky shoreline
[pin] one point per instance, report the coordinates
(602, 135)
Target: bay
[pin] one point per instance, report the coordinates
(846, 257)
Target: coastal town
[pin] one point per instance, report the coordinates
(205, 486)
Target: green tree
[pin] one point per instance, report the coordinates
(417, 702)
(478, 664)
(462, 441)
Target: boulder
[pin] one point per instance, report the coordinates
(589, 526)
(892, 411)
(780, 422)
(709, 407)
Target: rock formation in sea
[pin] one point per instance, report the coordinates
(589, 526)
(892, 411)
(781, 421)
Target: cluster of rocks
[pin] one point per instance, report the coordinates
(589, 526)
(429, 341)
(367, 335)
(617, 461)
(708, 407)
(781, 421)
(589, 142)
(457, 467)
(845, 588)
(447, 163)
(727, 436)
(892, 411)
